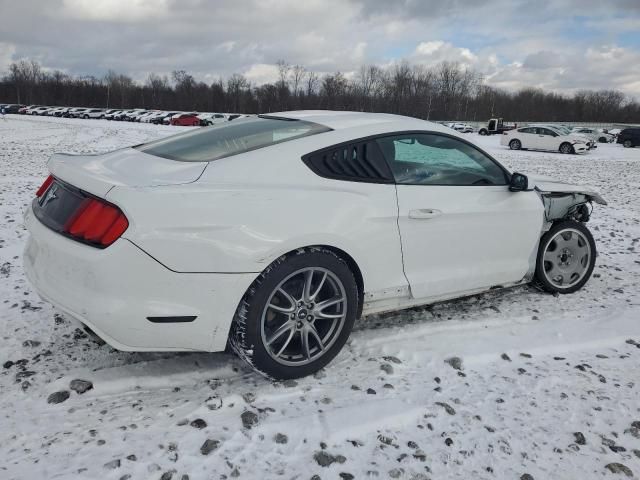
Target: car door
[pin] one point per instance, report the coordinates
(538, 141)
(548, 139)
(527, 137)
(461, 228)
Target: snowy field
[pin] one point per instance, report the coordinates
(549, 387)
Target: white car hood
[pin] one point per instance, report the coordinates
(551, 185)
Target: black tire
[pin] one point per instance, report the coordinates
(602, 139)
(515, 144)
(627, 144)
(246, 337)
(566, 148)
(541, 278)
(483, 132)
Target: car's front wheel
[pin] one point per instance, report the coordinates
(297, 315)
(566, 257)
(566, 148)
(628, 144)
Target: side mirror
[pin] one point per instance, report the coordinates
(519, 182)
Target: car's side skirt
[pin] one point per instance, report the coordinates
(375, 304)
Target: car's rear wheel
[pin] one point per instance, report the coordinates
(566, 257)
(627, 144)
(515, 145)
(566, 148)
(297, 315)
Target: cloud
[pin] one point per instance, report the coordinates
(7, 51)
(542, 60)
(261, 73)
(602, 67)
(566, 45)
(433, 52)
(116, 10)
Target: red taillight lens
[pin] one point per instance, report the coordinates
(97, 222)
(115, 231)
(45, 186)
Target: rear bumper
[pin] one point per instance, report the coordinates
(114, 290)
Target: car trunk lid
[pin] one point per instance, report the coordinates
(99, 173)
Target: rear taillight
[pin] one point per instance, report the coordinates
(45, 186)
(96, 222)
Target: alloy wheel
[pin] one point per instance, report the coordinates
(565, 148)
(303, 316)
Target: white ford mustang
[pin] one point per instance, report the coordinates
(274, 233)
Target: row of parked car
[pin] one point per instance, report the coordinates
(189, 119)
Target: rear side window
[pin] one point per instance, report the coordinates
(354, 162)
(226, 139)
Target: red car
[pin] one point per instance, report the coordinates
(185, 120)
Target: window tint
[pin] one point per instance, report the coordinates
(429, 159)
(226, 139)
(354, 162)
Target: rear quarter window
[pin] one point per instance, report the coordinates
(353, 162)
(227, 139)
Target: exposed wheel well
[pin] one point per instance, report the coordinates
(355, 269)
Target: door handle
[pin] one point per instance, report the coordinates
(424, 213)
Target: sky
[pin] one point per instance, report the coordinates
(560, 45)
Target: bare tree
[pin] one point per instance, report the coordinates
(297, 74)
(312, 83)
(158, 86)
(236, 86)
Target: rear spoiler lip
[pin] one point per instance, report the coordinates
(70, 174)
(99, 173)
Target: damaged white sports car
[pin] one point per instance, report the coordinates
(274, 233)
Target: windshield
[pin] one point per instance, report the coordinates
(224, 140)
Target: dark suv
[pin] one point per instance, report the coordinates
(12, 108)
(629, 137)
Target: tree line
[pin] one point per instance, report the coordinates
(447, 91)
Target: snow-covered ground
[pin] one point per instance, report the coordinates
(549, 386)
